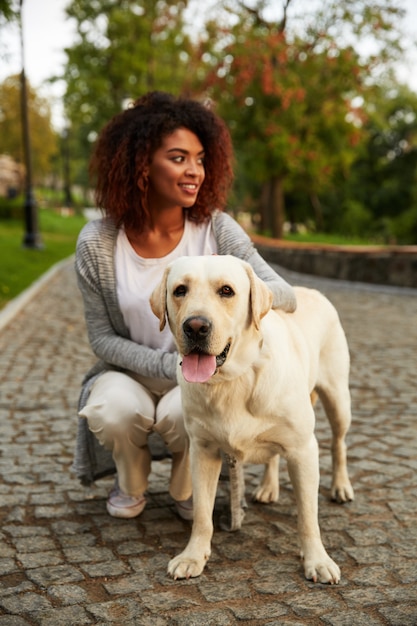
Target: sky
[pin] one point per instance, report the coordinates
(47, 32)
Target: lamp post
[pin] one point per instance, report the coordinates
(32, 238)
(66, 167)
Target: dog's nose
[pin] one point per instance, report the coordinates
(196, 327)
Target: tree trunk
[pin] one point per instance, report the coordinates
(318, 213)
(264, 208)
(277, 206)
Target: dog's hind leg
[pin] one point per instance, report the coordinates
(336, 402)
(333, 390)
(268, 489)
(237, 495)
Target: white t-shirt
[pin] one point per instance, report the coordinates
(137, 277)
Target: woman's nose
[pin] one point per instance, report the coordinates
(192, 168)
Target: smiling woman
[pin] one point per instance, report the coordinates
(163, 171)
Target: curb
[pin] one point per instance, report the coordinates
(13, 307)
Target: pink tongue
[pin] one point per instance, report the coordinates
(197, 368)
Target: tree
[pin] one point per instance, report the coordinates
(380, 195)
(125, 48)
(9, 14)
(43, 137)
(7, 10)
(287, 93)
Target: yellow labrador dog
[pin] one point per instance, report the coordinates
(246, 374)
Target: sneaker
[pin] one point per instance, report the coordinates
(120, 504)
(184, 508)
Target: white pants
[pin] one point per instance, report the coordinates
(122, 412)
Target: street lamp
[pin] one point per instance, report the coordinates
(66, 167)
(32, 238)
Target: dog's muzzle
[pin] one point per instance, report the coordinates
(198, 365)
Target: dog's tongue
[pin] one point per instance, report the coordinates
(197, 368)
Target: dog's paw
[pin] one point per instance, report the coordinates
(182, 566)
(323, 571)
(342, 492)
(266, 494)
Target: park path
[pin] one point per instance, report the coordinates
(64, 561)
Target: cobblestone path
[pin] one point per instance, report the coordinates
(65, 562)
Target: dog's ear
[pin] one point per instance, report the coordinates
(260, 297)
(158, 300)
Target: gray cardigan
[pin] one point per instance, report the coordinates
(109, 337)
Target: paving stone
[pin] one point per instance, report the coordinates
(259, 612)
(70, 616)
(25, 603)
(127, 585)
(44, 576)
(31, 560)
(95, 554)
(105, 569)
(208, 618)
(166, 601)
(347, 618)
(116, 612)
(68, 594)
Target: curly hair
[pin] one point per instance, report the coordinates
(127, 143)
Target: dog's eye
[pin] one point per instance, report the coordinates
(226, 291)
(180, 291)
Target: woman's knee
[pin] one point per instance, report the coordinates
(169, 422)
(119, 406)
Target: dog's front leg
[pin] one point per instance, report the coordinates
(303, 467)
(205, 470)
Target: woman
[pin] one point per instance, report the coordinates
(163, 171)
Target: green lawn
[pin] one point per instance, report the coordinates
(19, 266)
(326, 238)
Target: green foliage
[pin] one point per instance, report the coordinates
(20, 267)
(8, 9)
(383, 177)
(125, 48)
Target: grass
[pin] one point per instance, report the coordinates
(19, 266)
(326, 238)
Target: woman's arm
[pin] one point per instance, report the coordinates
(232, 239)
(108, 336)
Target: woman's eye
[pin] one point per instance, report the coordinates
(180, 291)
(226, 291)
(178, 159)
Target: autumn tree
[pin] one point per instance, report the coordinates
(288, 93)
(43, 138)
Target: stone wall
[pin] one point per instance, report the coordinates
(385, 265)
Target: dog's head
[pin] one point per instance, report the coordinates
(213, 304)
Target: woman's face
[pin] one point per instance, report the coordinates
(176, 171)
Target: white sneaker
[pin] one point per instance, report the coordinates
(120, 504)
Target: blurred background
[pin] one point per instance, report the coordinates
(320, 98)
